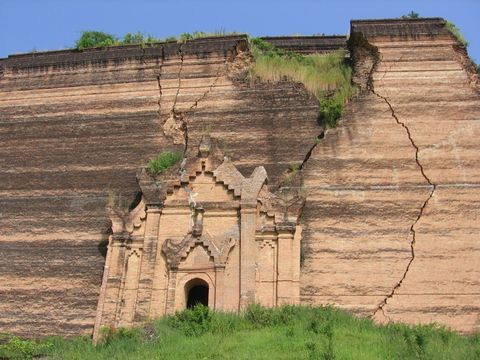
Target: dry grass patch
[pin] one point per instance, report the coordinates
(327, 76)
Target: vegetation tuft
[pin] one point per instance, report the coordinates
(328, 76)
(16, 348)
(203, 34)
(91, 39)
(287, 332)
(163, 161)
(456, 32)
(411, 15)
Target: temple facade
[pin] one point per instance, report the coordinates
(202, 233)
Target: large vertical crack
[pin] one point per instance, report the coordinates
(175, 127)
(183, 171)
(312, 148)
(380, 307)
(180, 69)
(373, 53)
(220, 72)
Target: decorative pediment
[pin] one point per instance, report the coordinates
(230, 176)
(176, 252)
(281, 208)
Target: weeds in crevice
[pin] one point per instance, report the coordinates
(290, 175)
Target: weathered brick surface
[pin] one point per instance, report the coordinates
(366, 190)
(76, 126)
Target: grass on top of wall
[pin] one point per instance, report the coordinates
(288, 332)
(456, 33)
(327, 76)
(90, 39)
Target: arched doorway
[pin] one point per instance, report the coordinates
(196, 292)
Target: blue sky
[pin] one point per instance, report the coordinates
(55, 24)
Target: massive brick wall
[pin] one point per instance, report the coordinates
(77, 126)
(392, 213)
(391, 219)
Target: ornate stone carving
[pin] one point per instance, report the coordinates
(127, 223)
(176, 252)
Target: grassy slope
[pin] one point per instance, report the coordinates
(283, 333)
(327, 76)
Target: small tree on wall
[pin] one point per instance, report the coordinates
(91, 39)
(411, 15)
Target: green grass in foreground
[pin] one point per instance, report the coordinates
(283, 333)
(327, 76)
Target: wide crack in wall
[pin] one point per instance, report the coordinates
(412, 228)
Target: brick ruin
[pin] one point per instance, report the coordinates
(201, 233)
(388, 218)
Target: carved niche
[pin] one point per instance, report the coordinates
(202, 232)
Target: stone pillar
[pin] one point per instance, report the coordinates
(114, 268)
(130, 286)
(103, 291)
(161, 272)
(149, 257)
(172, 285)
(247, 254)
(219, 288)
(285, 266)
(297, 238)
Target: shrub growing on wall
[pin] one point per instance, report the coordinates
(90, 39)
(411, 15)
(163, 161)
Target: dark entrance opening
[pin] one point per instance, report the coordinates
(197, 293)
